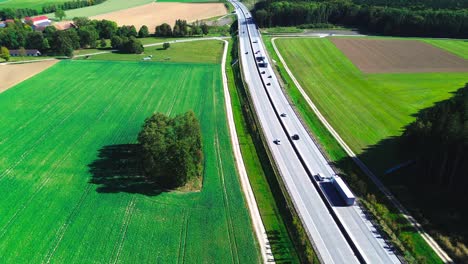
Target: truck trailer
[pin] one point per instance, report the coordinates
(343, 190)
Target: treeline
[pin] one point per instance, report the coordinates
(18, 13)
(87, 34)
(417, 4)
(439, 137)
(375, 19)
(181, 29)
(10, 13)
(69, 5)
(172, 148)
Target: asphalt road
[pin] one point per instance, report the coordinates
(340, 234)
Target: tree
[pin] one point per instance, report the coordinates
(133, 45)
(106, 29)
(166, 45)
(35, 40)
(163, 30)
(143, 32)
(4, 53)
(22, 52)
(88, 36)
(81, 21)
(204, 28)
(116, 42)
(60, 14)
(102, 43)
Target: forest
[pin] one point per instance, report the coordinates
(394, 21)
(439, 139)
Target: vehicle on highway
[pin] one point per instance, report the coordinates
(246, 52)
(268, 84)
(263, 72)
(283, 115)
(269, 76)
(277, 141)
(254, 41)
(295, 137)
(343, 190)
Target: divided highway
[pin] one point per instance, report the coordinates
(339, 233)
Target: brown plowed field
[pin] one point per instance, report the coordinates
(12, 74)
(399, 56)
(157, 13)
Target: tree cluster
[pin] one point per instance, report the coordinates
(172, 148)
(181, 29)
(439, 136)
(87, 34)
(377, 19)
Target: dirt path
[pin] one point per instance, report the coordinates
(155, 14)
(257, 222)
(11, 74)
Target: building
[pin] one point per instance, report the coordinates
(28, 52)
(2, 24)
(39, 21)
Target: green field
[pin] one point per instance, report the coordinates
(457, 47)
(207, 51)
(190, 1)
(364, 108)
(73, 126)
(106, 7)
(33, 4)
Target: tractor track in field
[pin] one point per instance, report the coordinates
(231, 233)
(124, 228)
(43, 137)
(183, 237)
(61, 232)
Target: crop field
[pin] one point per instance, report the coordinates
(363, 108)
(398, 56)
(15, 73)
(103, 8)
(33, 4)
(206, 51)
(72, 191)
(458, 47)
(154, 14)
(190, 1)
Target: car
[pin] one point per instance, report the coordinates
(246, 52)
(268, 84)
(295, 137)
(269, 76)
(283, 115)
(255, 41)
(263, 72)
(277, 141)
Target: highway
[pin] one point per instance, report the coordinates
(339, 234)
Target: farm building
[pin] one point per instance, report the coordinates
(28, 52)
(39, 21)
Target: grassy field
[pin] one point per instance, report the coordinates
(457, 47)
(191, 1)
(208, 51)
(33, 4)
(106, 7)
(73, 126)
(364, 109)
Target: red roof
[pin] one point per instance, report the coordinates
(35, 19)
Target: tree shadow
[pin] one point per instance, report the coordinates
(398, 166)
(119, 168)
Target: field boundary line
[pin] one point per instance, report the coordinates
(429, 240)
(257, 222)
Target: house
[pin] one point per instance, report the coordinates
(28, 52)
(2, 24)
(39, 21)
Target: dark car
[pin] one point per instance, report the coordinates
(295, 137)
